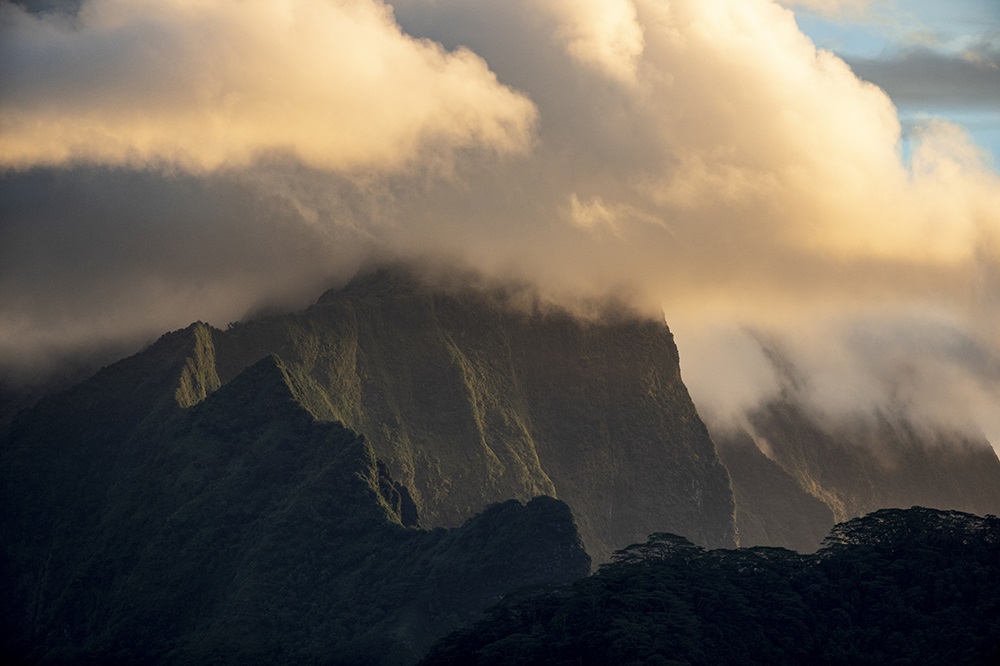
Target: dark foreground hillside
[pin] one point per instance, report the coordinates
(241, 531)
(915, 586)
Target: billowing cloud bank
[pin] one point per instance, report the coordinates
(205, 85)
(702, 154)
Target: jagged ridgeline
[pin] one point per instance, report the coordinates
(470, 401)
(239, 530)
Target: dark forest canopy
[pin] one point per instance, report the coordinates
(894, 587)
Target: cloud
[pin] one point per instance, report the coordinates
(601, 33)
(204, 85)
(597, 215)
(834, 8)
(107, 260)
(593, 214)
(717, 165)
(739, 133)
(777, 178)
(605, 37)
(933, 81)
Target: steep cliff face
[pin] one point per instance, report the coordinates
(853, 465)
(470, 401)
(772, 509)
(239, 530)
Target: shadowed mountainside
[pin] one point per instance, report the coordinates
(240, 530)
(477, 394)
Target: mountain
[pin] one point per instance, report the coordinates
(772, 508)
(915, 586)
(238, 530)
(350, 482)
(474, 395)
(210, 498)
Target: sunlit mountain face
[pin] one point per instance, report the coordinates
(813, 174)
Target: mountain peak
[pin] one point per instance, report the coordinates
(386, 280)
(474, 391)
(262, 392)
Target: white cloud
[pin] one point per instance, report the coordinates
(600, 33)
(206, 85)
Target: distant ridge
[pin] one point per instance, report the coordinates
(275, 491)
(818, 471)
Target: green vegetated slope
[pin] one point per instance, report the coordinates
(470, 401)
(238, 530)
(915, 586)
(853, 465)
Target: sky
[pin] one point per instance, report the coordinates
(933, 58)
(809, 185)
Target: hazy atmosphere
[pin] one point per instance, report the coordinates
(808, 191)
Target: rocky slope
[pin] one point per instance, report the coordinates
(209, 499)
(472, 395)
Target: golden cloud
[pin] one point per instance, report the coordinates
(205, 85)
